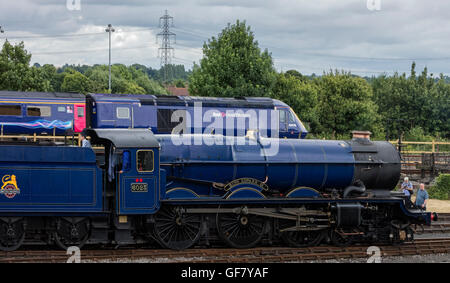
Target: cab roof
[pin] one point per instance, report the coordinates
(124, 138)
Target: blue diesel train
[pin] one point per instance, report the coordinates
(57, 113)
(242, 191)
(227, 116)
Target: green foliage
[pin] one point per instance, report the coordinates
(412, 102)
(417, 134)
(174, 72)
(297, 74)
(15, 70)
(179, 83)
(233, 65)
(74, 81)
(300, 95)
(345, 104)
(441, 190)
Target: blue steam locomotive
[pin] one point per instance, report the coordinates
(180, 191)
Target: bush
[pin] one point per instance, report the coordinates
(441, 190)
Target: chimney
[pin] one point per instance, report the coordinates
(361, 135)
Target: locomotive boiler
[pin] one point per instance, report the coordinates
(281, 165)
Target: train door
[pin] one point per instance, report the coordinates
(79, 117)
(138, 180)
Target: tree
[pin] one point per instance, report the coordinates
(124, 86)
(99, 76)
(179, 83)
(233, 65)
(150, 86)
(15, 70)
(297, 74)
(345, 104)
(408, 103)
(74, 81)
(440, 109)
(300, 94)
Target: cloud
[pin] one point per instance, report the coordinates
(310, 36)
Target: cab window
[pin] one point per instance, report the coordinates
(282, 116)
(291, 117)
(145, 161)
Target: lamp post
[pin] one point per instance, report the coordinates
(109, 30)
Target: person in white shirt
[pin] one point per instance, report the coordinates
(85, 142)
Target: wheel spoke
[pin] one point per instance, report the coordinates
(175, 230)
(240, 231)
(12, 235)
(71, 232)
(302, 238)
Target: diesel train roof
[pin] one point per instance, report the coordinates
(34, 94)
(246, 102)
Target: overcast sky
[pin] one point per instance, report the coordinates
(307, 35)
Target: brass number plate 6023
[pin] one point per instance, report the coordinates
(139, 187)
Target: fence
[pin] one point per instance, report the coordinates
(35, 138)
(426, 164)
(422, 147)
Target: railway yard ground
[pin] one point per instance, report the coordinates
(439, 206)
(432, 244)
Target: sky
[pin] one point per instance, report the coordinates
(366, 37)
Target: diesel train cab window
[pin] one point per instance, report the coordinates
(282, 116)
(10, 110)
(39, 111)
(145, 161)
(291, 118)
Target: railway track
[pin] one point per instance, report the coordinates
(222, 255)
(255, 255)
(440, 226)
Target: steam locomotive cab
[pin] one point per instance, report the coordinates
(131, 169)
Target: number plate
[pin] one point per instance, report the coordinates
(139, 187)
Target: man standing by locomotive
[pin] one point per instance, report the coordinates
(407, 188)
(422, 197)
